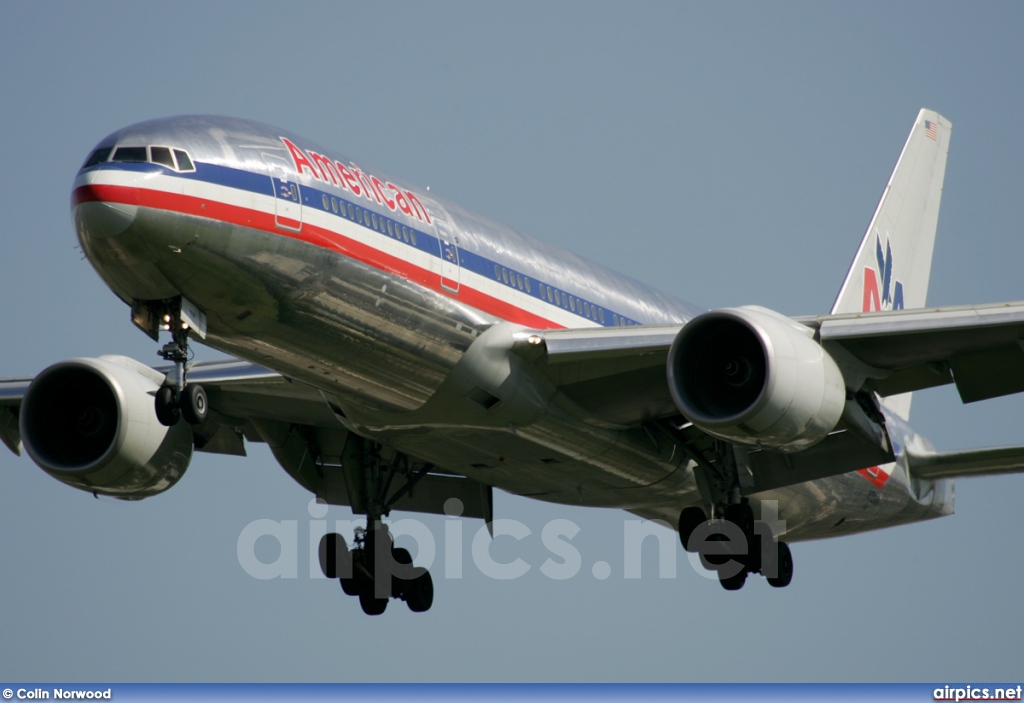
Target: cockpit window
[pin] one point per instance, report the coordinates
(97, 157)
(131, 153)
(184, 162)
(161, 155)
(176, 159)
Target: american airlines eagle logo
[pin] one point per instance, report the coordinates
(880, 291)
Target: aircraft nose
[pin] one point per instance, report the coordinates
(100, 218)
(104, 220)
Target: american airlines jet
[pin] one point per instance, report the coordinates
(399, 352)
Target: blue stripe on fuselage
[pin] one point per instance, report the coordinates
(312, 197)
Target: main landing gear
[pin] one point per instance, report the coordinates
(735, 545)
(374, 569)
(732, 543)
(179, 399)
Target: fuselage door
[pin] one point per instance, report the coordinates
(287, 194)
(449, 243)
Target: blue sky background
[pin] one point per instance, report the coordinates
(728, 153)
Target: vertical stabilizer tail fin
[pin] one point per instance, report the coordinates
(894, 261)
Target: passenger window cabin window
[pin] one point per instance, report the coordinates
(161, 155)
(374, 216)
(527, 281)
(97, 157)
(497, 272)
(600, 314)
(326, 202)
(391, 231)
(572, 303)
(519, 281)
(565, 300)
(504, 275)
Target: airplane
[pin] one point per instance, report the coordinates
(397, 351)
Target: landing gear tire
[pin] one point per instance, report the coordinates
(733, 583)
(689, 520)
(713, 561)
(349, 586)
(419, 593)
(741, 515)
(335, 558)
(785, 567)
(370, 604)
(193, 404)
(167, 412)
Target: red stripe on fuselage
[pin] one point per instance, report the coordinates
(311, 234)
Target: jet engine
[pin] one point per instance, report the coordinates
(752, 376)
(91, 424)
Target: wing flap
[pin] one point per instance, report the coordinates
(615, 375)
(979, 348)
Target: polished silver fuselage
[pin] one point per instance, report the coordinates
(381, 296)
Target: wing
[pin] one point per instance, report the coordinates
(617, 378)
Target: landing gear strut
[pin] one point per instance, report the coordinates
(374, 569)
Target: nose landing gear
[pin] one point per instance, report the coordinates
(177, 399)
(181, 399)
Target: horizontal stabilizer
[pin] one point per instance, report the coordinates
(964, 464)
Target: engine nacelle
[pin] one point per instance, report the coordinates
(91, 424)
(753, 376)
